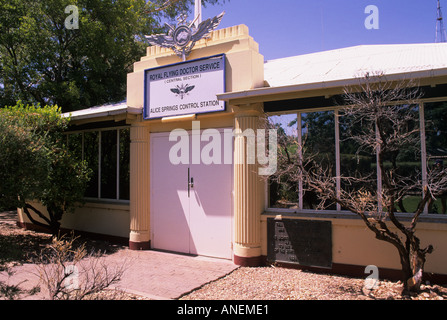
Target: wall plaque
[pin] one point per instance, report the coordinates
(303, 242)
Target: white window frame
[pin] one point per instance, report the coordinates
(421, 108)
(118, 135)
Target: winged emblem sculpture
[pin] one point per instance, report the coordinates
(182, 90)
(183, 37)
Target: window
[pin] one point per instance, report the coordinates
(315, 132)
(436, 149)
(318, 138)
(107, 153)
(328, 134)
(407, 163)
(109, 164)
(354, 161)
(285, 193)
(124, 164)
(91, 155)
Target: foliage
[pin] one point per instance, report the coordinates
(37, 165)
(41, 61)
(23, 151)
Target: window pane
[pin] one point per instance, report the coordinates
(401, 158)
(318, 138)
(91, 141)
(284, 184)
(436, 149)
(108, 164)
(124, 164)
(358, 169)
(407, 162)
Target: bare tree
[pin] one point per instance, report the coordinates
(68, 272)
(383, 120)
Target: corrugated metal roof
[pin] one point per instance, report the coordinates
(315, 70)
(101, 111)
(353, 62)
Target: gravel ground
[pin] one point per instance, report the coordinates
(263, 283)
(271, 283)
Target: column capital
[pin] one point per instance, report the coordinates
(139, 132)
(248, 110)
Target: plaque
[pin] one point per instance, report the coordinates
(302, 242)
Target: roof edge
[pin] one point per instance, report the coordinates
(102, 111)
(269, 91)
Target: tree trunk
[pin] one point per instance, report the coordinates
(55, 218)
(412, 262)
(414, 283)
(417, 265)
(54, 228)
(406, 266)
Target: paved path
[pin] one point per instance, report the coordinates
(152, 274)
(160, 275)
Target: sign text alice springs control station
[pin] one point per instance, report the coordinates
(185, 88)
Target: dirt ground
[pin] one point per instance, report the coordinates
(18, 246)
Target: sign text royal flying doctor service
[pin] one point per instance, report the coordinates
(185, 88)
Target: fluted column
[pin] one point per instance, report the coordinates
(247, 209)
(139, 238)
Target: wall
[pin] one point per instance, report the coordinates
(100, 218)
(353, 244)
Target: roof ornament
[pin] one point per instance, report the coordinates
(182, 37)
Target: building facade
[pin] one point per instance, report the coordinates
(181, 181)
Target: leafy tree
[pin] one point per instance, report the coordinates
(23, 163)
(42, 61)
(36, 165)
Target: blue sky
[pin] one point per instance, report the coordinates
(292, 27)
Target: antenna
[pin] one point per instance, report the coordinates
(440, 31)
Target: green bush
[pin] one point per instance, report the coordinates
(36, 164)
